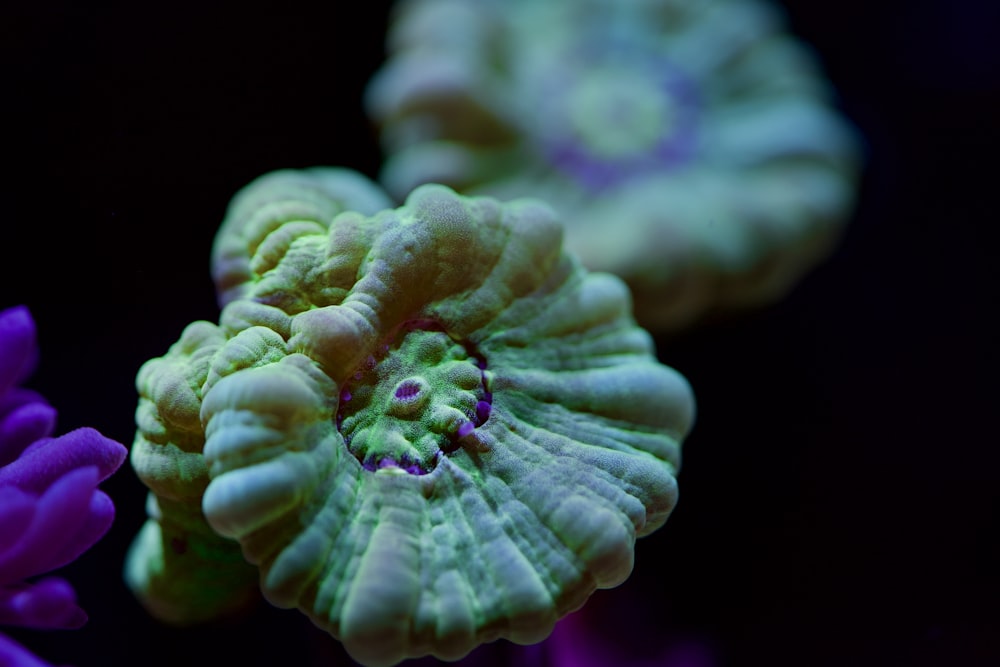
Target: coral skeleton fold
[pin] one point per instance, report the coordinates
(51, 510)
(426, 427)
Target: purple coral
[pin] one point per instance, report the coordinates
(50, 508)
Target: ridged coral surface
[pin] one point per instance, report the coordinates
(692, 147)
(428, 428)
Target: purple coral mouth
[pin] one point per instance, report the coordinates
(407, 390)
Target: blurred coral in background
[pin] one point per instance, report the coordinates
(51, 510)
(695, 149)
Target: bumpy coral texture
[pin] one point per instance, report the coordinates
(429, 428)
(180, 569)
(51, 510)
(692, 147)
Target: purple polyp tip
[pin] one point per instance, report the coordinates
(465, 429)
(483, 411)
(345, 395)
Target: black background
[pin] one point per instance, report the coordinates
(840, 495)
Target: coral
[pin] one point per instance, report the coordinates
(51, 510)
(692, 147)
(427, 427)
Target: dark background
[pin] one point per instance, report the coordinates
(840, 495)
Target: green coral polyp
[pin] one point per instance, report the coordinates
(426, 428)
(420, 399)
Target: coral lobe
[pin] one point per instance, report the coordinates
(429, 433)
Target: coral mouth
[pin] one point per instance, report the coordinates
(609, 124)
(419, 397)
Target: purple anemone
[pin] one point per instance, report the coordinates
(51, 510)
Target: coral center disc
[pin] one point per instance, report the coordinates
(616, 112)
(414, 400)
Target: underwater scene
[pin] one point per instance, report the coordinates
(495, 333)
